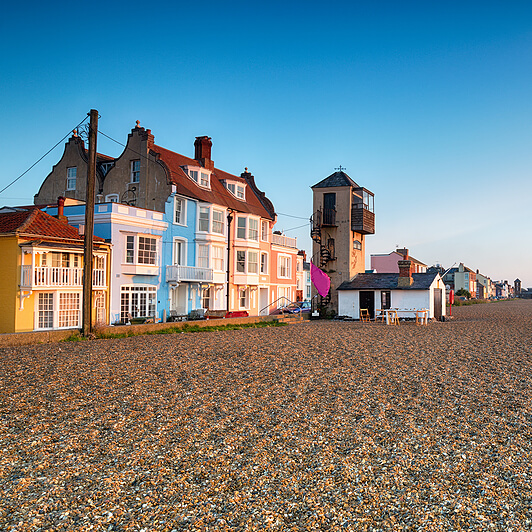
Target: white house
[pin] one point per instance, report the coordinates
(404, 290)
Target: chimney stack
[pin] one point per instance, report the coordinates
(405, 274)
(60, 209)
(202, 152)
(403, 252)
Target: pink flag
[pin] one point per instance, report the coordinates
(320, 279)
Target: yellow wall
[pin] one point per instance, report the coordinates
(9, 281)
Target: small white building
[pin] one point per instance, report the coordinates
(405, 290)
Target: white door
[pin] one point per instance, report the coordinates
(263, 302)
(179, 299)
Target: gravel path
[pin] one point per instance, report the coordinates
(312, 426)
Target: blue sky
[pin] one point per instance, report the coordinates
(427, 104)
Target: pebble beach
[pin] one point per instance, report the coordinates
(318, 425)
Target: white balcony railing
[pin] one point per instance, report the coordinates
(46, 276)
(286, 241)
(177, 274)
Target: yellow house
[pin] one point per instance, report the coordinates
(41, 273)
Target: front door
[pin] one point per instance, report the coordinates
(367, 301)
(263, 301)
(179, 300)
(437, 303)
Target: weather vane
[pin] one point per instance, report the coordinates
(340, 168)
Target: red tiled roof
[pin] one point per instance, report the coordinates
(217, 194)
(36, 223)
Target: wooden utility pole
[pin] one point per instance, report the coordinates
(89, 225)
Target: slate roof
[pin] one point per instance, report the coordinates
(338, 179)
(255, 203)
(387, 281)
(36, 223)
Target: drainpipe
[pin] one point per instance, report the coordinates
(229, 220)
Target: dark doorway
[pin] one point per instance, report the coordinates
(367, 301)
(437, 303)
(329, 208)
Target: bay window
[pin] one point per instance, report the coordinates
(204, 218)
(241, 227)
(253, 262)
(203, 255)
(218, 258)
(217, 221)
(253, 233)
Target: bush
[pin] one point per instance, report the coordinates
(463, 292)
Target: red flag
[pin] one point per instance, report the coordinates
(320, 279)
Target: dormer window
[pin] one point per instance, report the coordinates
(200, 176)
(238, 190)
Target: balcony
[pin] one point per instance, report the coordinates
(286, 241)
(57, 277)
(179, 274)
(362, 220)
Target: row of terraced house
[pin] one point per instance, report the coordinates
(174, 235)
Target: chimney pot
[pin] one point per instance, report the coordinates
(60, 209)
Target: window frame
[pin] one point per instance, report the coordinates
(253, 232)
(132, 249)
(203, 261)
(243, 295)
(264, 230)
(183, 245)
(204, 210)
(70, 178)
(241, 229)
(221, 258)
(183, 212)
(147, 249)
(134, 171)
(287, 266)
(216, 222)
(263, 263)
(250, 262)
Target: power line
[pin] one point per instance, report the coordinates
(124, 146)
(292, 216)
(298, 227)
(37, 162)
